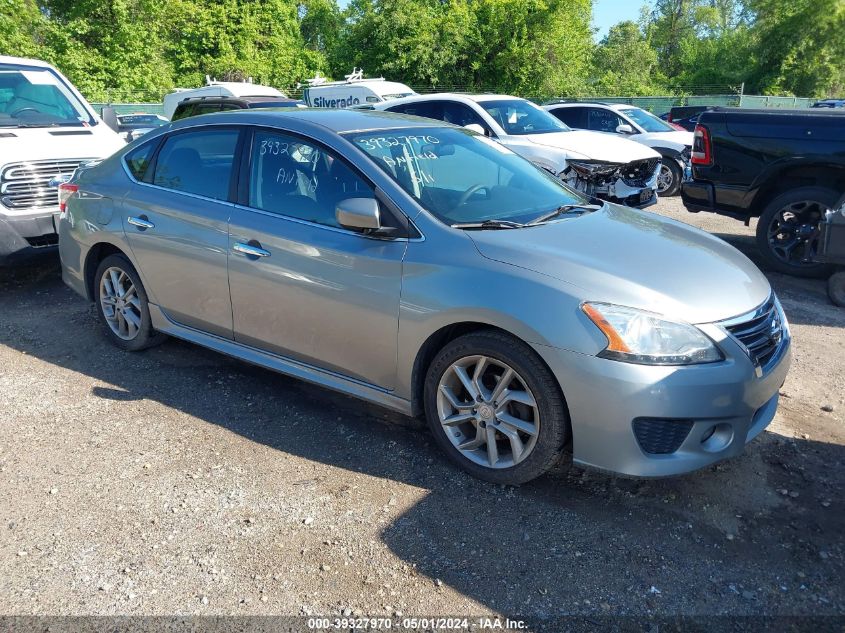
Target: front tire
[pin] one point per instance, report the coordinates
(670, 177)
(122, 305)
(788, 231)
(495, 408)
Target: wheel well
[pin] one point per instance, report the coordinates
(97, 254)
(785, 180)
(432, 346)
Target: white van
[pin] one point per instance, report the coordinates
(353, 91)
(217, 89)
(46, 130)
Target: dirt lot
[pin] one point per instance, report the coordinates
(177, 481)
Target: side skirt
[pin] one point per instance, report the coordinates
(281, 364)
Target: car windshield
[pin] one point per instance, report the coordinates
(518, 117)
(461, 177)
(647, 120)
(141, 120)
(36, 97)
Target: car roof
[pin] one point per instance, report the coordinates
(339, 121)
(450, 96)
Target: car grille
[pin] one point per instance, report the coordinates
(27, 185)
(761, 333)
(43, 241)
(661, 437)
(639, 172)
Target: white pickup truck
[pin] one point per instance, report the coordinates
(46, 130)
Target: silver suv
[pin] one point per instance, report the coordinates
(433, 271)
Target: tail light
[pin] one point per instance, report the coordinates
(702, 153)
(66, 190)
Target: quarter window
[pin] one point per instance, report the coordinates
(138, 160)
(197, 162)
(293, 178)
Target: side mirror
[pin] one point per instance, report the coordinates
(109, 116)
(475, 127)
(624, 128)
(361, 214)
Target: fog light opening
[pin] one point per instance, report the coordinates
(717, 438)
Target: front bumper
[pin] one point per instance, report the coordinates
(722, 406)
(22, 238)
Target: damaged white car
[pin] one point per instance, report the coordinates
(607, 167)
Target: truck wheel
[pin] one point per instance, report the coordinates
(788, 231)
(670, 177)
(836, 288)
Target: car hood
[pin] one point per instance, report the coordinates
(55, 143)
(595, 146)
(662, 139)
(638, 259)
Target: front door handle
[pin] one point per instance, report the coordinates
(250, 249)
(142, 222)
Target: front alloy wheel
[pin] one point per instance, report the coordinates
(669, 178)
(488, 412)
(495, 408)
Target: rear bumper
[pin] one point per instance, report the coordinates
(698, 196)
(27, 237)
(646, 421)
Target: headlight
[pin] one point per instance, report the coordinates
(593, 169)
(641, 337)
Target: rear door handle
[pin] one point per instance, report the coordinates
(142, 222)
(250, 249)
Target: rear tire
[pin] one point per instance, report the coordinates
(122, 305)
(788, 231)
(525, 419)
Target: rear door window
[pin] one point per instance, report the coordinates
(198, 162)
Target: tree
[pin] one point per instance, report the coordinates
(800, 47)
(624, 63)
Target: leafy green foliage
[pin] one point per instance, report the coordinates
(139, 49)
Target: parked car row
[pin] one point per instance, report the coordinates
(598, 165)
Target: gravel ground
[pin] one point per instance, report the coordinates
(178, 481)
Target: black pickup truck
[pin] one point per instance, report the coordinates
(785, 167)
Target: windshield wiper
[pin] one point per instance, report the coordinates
(564, 208)
(489, 224)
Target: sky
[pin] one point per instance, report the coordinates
(606, 13)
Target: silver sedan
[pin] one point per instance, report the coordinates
(428, 269)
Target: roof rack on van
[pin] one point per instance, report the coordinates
(357, 75)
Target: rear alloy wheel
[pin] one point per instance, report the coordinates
(788, 231)
(122, 305)
(495, 408)
(670, 177)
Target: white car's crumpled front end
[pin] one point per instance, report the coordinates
(612, 168)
